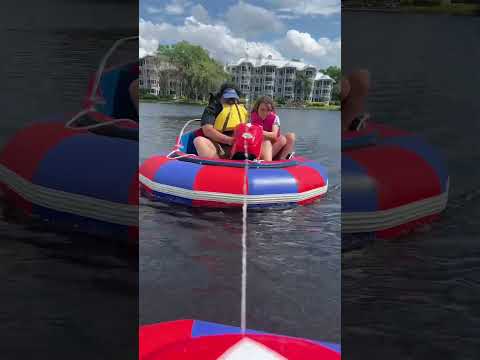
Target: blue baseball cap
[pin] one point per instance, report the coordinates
(230, 94)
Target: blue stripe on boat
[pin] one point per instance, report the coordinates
(334, 347)
(359, 193)
(205, 328)
(322, 170)
(271, 181)
(91, 165)
(177, 173)
(158, 196)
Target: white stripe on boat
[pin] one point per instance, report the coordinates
(231, 198)
(359, 222)
(81, 205)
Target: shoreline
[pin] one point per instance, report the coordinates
(306, 107)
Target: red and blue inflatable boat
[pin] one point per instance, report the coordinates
(192, 339)
(80, 171)
(392, 182)
(182, 177)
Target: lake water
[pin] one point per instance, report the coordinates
(190, 260)
(418, 297)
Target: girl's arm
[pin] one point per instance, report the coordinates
(271, 135)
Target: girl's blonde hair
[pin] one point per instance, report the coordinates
(263, 100)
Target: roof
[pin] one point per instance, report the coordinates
(273, 62)
(322, 76)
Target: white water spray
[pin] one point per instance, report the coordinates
(244, 238)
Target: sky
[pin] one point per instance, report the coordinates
(308, 30)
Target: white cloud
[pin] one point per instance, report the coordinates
(147, 46)
(176, 7)
(250, 20)
(307, 7)
(154, 10)
(287, 16)
(216, 38)
(226, 46)
(200, 13)
(322, 52)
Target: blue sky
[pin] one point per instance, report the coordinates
(230, 29)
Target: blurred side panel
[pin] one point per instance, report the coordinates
(410, 179)
(69, 179)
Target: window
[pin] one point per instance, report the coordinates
(279, 90)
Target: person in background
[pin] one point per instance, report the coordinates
(275, 145)
(354, 90)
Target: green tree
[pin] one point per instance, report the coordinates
(336, 74)
(198, 73)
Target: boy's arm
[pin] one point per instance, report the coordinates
(208, 120)
(213, 134)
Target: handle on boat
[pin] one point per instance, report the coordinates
(93, 96)
(101, 67)
(69, 124)
(178, 145)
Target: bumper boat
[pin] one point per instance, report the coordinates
(183, 177)
(191, 339)
(392, 182)
(80, 172)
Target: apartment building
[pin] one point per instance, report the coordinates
(277, 79)
(157, 76)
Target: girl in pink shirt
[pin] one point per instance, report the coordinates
(275, 145)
